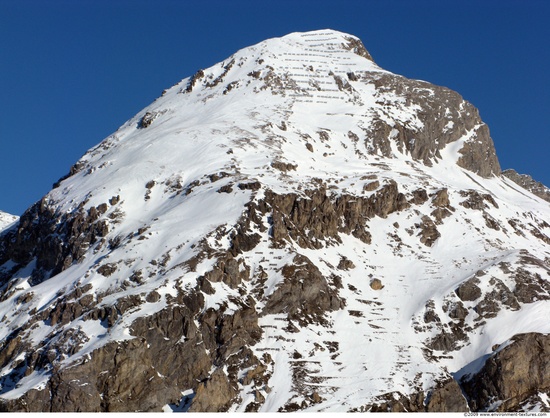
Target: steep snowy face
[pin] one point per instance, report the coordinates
(317, 91)
(6, 220)
(292, 228)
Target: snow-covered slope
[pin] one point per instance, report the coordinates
(293, 228)
(6, 220)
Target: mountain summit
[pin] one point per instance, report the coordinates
(293, 228)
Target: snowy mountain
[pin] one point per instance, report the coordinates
(6, 220)
(294, 228)
(527, 182)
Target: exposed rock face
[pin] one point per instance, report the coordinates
(428, 231)
(528, 183)
(469, 291)
(54, 241)
(511, 379)
(324, 218)
(214, 395)
(376, 284)
(479, 156)
(357, 47)
(140, 374)
(303, 303)
(511, 376)
(444, 118)
(446, 396)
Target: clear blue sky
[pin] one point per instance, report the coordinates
(73, 71)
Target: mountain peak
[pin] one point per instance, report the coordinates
(324, 41)
(316, 91)
(291, 228)
(329, 50)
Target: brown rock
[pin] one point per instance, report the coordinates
(213, 395)
(345, 264)
(528, 183)
(376, 284)
(419, 196)
(373, 185)
(438, 108)
(303, 303)
(447, 397)
(441, 198)
(469, 291)
(512, 375)
(254, 374)
(478, 155)
(316, 398)
(428, 231)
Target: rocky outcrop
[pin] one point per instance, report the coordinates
(118, 377)
(355, 45)
(168, 351)
(214, 395)
(482, 296)
(528, 183)
(446, 396)
(54, 240)
(512, 375)
(479, 156)
(318, 218)
(305, 295)
(444, 118)
(428, 231)
(175, 347)
(511, 379)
